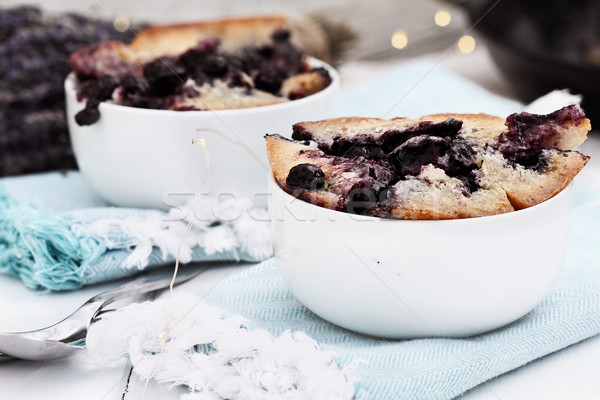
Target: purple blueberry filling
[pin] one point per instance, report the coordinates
(404, 152)
(134, 85)
(305, 176)
(96, 91)
(155, 84)
(372, 147)
(369, 187)
(89, 115)
(416, 152)
(368, 151)
(165, 76)
(99, 89)
(529, 134)
(269, 80)
(453, 155)
(393, 138)
(373, 163)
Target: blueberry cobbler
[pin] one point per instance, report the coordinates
(436, 167)
(204, 76)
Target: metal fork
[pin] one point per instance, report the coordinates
(67, 337)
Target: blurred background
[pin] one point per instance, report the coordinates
(373, 22)
(519, 49)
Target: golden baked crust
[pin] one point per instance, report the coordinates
(174, 39)
(435, 195)
(526, 188)
(304, 84)
(243, 39)
(234, 34)
(284, 154)
(502, 184)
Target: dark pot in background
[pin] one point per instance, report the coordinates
(542, 45)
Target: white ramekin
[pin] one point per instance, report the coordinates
(145, 158)
(405, 279)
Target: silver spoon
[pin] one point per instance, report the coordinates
(67, 337)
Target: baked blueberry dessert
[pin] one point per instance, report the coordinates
(208, 66)
(436, 167)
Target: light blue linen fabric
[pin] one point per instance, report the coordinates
(41, 245)
(421, 88)
(431, 369)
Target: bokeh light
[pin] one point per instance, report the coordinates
(466, 44)
(399, 39)
(442, 17)
(121, 23)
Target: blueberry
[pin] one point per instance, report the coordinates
(529, 134)
(417, 152)
(215, 66)
(87, 89)
(150, 102)
(248, 59)
(372, 152)
(106, 85)
(165, 75)
(280, 35)
(268, 80)
(471, 181)
(192, 58)
(299, 132)
(361, 199)
(449, 127)
(266, 51)
(460, 158)
(394, 138)
(305, 176)
(89, 115)
(134, 84)
(200, 77)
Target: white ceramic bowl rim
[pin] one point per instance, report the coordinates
(512, 214)
(335, 79)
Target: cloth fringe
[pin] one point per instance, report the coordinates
(55, 252)
(40, 250)
(217, 356)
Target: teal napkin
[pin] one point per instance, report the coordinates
(46, 240)
(431, 369)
